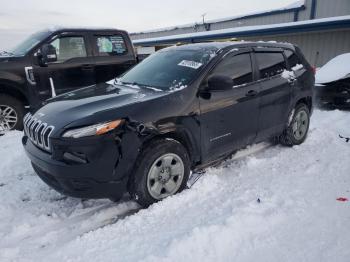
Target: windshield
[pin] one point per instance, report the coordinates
(169, 69)
(29, 43)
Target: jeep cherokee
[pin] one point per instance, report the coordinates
(181, 109)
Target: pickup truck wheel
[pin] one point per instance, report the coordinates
(162, 170)
(297, 129)
(11, 113)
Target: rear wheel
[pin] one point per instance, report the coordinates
(11, 113)
(162, 170)
(298, 127)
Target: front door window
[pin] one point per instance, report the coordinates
(239, 68)
(69, 47)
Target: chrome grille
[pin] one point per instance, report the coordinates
(38, 132)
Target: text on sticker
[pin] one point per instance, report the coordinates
(191, 64)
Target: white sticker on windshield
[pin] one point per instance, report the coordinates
(191, 64)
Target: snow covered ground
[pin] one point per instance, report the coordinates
(219, 219)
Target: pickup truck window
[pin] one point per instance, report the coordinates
(69, 47)
(238, 67)
(270, 64)
(111, 45)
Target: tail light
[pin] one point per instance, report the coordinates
(313, 68)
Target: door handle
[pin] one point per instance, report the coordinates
(251, 93)
(87, 67)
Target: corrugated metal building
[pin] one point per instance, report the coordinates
(303, 23)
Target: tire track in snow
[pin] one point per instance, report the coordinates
(76, 225)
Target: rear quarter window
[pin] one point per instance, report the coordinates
(292, 58)
(270, 63)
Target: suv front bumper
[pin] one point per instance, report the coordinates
(104, 174)
(333, 95)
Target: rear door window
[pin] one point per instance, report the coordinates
(238, 67)
(110, 45)
(270, 63)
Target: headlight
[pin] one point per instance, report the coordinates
(93, 130)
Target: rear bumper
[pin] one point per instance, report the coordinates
(97, 178)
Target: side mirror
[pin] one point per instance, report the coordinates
(47, 54)
(220, 83)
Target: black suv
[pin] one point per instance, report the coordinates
(52, 62)
(181, 109)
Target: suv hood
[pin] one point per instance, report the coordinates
(4, 59)
(94, 104)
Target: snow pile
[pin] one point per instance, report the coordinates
(336, 69)
(290, 75)
(297, 67)
(296, 4)
(5, 54)
(117, 81)
(277, 204)
(177, 87)
(230, 32)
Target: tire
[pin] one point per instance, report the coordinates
(11, 110)
(162, 169)
(297, 128)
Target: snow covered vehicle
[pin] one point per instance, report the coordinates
(333, 82)
(55, 61)
(181, 109)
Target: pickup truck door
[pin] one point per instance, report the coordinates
(113, 55)
(229, 119)
(73, 69)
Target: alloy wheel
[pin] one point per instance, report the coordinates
(8, 118)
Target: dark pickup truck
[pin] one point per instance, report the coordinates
(52, 62)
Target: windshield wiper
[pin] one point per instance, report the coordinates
(2, 53)
(154, 88)
(131, 83)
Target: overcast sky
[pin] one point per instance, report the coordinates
(19, 18)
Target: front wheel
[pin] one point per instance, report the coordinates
(298, 127)
(11, 113)
(162, 170)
